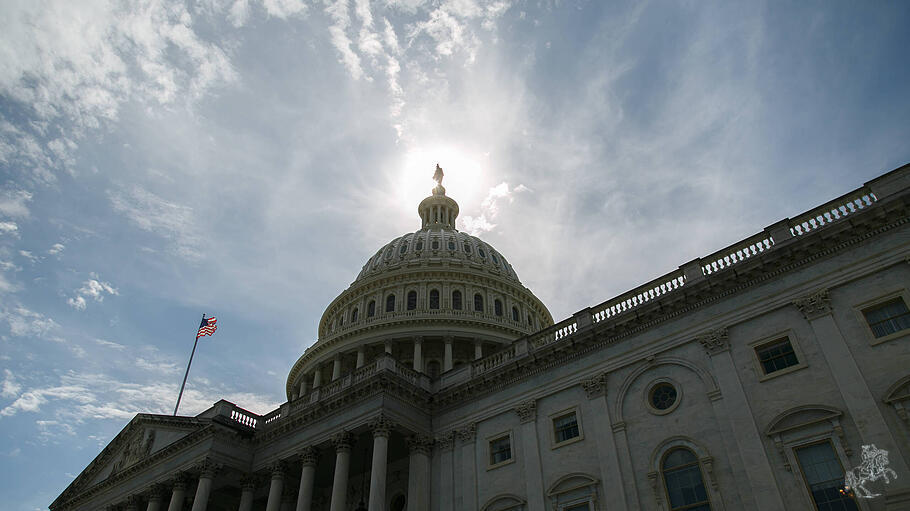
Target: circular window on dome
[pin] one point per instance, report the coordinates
(663, 397)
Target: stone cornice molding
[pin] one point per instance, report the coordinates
(527, 411)
(342, 441)
(309, 456)
(715, 341)
(814, 305)
(382, 426)
(468, 433)
(420, 444)
(595, 386)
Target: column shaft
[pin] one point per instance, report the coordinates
(339, 485)
(478, 350)
(201, 500)
(336, 368)
(418, 481)
(305, 496)
(418, 356)
(154, 504)
(275, 489)
(447, 359)
(361, 357)
(317, 377)
(378, 472)
(246, 499)
(177, 498)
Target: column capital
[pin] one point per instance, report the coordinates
(468, 433)
(309, 455)
(417, 339)
(132, 503)
(527, 411)
(278, 469)
(248, 482)
(382, 426)
(445, 441)
(208, 468)
(157, 492)
(814, 305)
(342, 441)
(448, 339)
(595, 386)
(420, 444)
(179, 481)
(714, 341)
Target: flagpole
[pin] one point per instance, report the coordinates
(182, 385)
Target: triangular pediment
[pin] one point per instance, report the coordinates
(144, 436)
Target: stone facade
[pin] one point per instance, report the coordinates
(720, 383)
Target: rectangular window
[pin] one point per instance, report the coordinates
(888, 318)
(565, 427)
(776, 355)
(500, 450)
(578, 507)
(824, 476)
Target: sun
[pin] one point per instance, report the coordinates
(464, 174)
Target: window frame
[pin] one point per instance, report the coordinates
(438, 299)
(555, 444)
(838, 456)
(754, 346)
(393, 302)
(482, 305)
(496, 437)
(650, 387)
(412, 293)
(663, 477)
(860, 309)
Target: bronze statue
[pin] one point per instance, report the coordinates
(437, 176)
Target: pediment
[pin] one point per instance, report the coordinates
(571, 482)
(900, 391)
(503, 503)
(801, 417)
(141, 438)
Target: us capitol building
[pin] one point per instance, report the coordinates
(753, 378)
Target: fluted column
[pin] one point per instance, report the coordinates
(361, 356)
(178, 494)
(418, 354)
(478, 349)
(447, 358)
(336, 367)
(308, 456)
(276, 487)
(247, 492)
(382, 429)
(419, 447)
(156, 495)
(342, 443)
(317, 377)
(204, 487)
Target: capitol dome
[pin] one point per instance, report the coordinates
(434, 299)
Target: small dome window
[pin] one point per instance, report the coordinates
(478, 303)
(371, 309)
(390, 303)
(354, 315)
(451, 245)
(435, 245)
(495, 259)
(412, 300)
(481, 252)
(404, 248)
(456, 300)
(497, 307)
(434, 299)
(467, 248)
(419, 245)
(515, 314)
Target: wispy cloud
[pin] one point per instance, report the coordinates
(167, 219)
(91, 289)
(489, 208)
(25, 322)
(14, 203)
(56, 248)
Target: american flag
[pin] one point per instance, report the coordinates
(207, 327)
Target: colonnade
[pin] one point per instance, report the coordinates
(281, 491)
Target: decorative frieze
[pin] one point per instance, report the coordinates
(714, 341)
(309, 456)
(420, 444)
(815, 305)
(468, 433)
(596, 386)
(527, 411)
(342, 441)
(382, 426)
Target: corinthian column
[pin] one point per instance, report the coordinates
(309, 457)
(382, 429)
(178, 495)
(156, 495)
(247, 489)
(342, 443)
(274, 502)
(204, 488)
(419, 472)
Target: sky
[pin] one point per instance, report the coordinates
(160, 160)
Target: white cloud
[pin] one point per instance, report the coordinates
(28, 255)
(94, 289)
(110, 344)
(341, 19)
(10, 387)
(56, 248)
(166, 219)
(489, 208)
(14, 203)
(157, 367)
(9, 228)
(24, 322)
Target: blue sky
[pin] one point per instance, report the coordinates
(244, 158)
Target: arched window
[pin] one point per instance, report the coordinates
(451, 245)
(434, 298)
(515, 314)
(371, 309)
(478, 303)
(683, 481)
(456, 300)
(497, 307)
(354, 315)
(412, 300)
(435, 244)
(481, 252)
(404, 248)
(390, 303)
